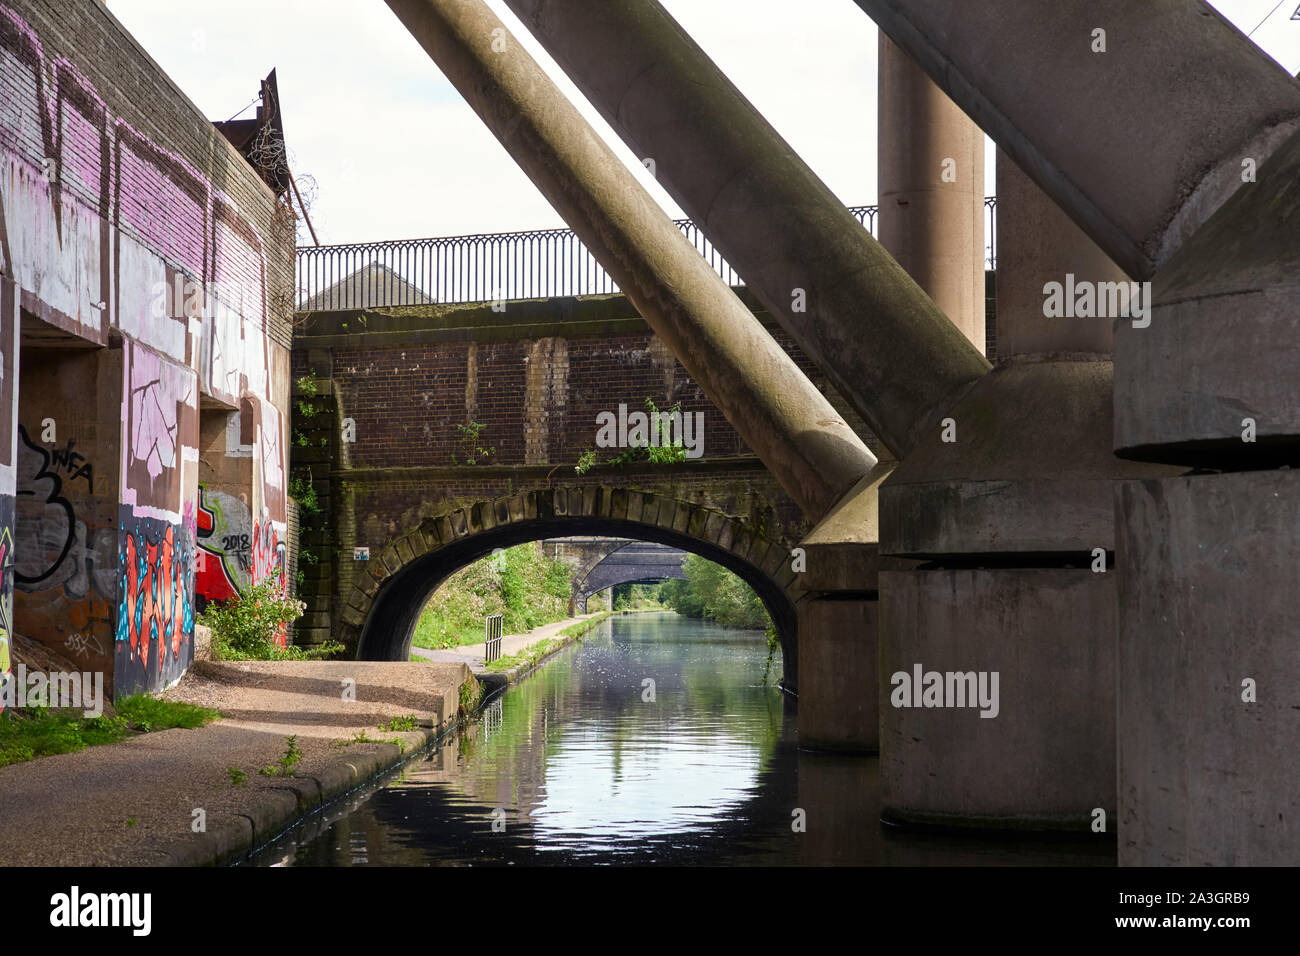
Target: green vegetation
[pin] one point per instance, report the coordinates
(713, 593)
(307, 385)
(471, 449)
(582, 627)
(244, 628)
(661, 447)
(409, 722)
(237, 777)
(144, 713)
(524, 586)
(471, 695)
(525, 658)
(636, 597)
(284, 766)
(303, 491)
(32, 732)
(773, 644)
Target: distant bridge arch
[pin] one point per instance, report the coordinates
(632, 563)
(385, 602)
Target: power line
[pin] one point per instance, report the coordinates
(1270, 13)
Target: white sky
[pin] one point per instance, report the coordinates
(396, 153)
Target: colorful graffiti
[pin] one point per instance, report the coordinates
(155, 625)
(6, 587)
(225, 539)
(94, 217)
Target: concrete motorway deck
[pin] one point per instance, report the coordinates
(472, 655)
(75, 809)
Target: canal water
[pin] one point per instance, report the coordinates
(654, 740)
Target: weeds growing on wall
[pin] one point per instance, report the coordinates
(472, 451)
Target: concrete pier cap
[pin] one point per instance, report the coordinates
(1174, 142)
(1010, 503)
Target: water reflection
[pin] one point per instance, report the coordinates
(654, 740)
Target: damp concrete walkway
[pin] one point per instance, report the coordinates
(141, 802)
(472, 655)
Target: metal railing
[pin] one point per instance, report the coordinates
(492, 637)
(503, 266)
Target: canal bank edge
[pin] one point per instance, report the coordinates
(281, 808)
(277, 809)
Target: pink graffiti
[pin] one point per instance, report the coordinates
(157, 387)
(169, 203)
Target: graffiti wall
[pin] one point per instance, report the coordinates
(117, 202)
(8, 472)
(65, 536)
(154, 637)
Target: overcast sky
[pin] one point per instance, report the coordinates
(396, 153)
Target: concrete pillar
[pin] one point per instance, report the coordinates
(1010, 513)
(65, 561)
(1206, 207)
(9, 364)
(1119, 75)
(786, 421)
(931, 187)
(854, 310)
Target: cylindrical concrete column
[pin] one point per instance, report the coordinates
(1023, 476)
(930, 178)
(744, 372)
(880, 339)
(1174, 76)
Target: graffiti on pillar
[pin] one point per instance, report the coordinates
(74, 465)
(225, 539)
(268, 556)
(155, 625)
(95, 217)
(6, 587)
(68, 559)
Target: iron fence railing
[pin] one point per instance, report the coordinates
(492, 637)
(543, 263)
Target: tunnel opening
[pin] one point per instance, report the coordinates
(389, 626)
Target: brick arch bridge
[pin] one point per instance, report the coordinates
(626, 562)
(385, 600)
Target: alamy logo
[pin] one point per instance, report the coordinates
(1098, 300)
(946, 689)
(656, 429)
(24, 688)
(75, 908)
(186, 298)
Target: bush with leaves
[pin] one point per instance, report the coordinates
(245, 627)
(712, 592)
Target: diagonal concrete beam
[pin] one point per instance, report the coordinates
(880, 339)
(1139, 132)
(781, 415)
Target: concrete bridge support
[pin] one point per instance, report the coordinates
(781, 415)
(820, 274)
(931, 188)
(1207, 207)
(1010, 505)
(824, 278)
